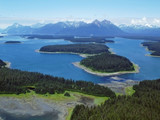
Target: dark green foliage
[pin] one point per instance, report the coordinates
(67, 94)
(143, 105)
(77, 48)
(16, 81)
(2, 63)
(12, 42)
(153, 46)
(96, 40)
(107, 63)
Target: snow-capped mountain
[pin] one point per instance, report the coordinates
(18, 29)
(147, 29)
(38, 25)
(96, 28)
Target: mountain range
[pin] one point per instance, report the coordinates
(141, 30)
(96, 28)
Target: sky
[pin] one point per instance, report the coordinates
(29, 12)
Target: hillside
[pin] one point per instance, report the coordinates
(144, 104)
(17, 82)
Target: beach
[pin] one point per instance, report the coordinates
(77, 64)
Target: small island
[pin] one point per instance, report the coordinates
(154, 47)
(107, 64)
(90, 40)
(76, 48)
(12, 42)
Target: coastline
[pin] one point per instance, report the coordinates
(8, 64)
(77, 64)
(82, 55)
(146, 48)
(111, 50)
(119, 87)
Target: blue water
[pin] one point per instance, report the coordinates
(133, 50)
(23, 57)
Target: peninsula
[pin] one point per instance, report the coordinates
(154, 47)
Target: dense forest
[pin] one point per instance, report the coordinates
(2, 63)
(107, 63)
(77, 48)
(12, 42)
(144, 104)
(93, 40)
(153, 46)
(16, 82)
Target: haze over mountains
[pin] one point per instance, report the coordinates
(96, 28)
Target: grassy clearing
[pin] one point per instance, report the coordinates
(59, 98)
(129, 90)
(117, 94)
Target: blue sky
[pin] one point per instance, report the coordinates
(32, 11)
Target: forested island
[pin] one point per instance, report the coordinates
(154, 47)
(106, 64)
(101, 62)
(12, 42)
(76, 48)
(144, 104)
(90, 40)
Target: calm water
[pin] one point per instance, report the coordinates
(132, 49)
(23, 57)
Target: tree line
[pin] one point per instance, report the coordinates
(77, 48)
(153, 46)
(15, 82)
(107, 63)
(144, 104)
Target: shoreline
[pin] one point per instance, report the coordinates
(119, 87)
(8, 64)
(146, 48)
(82, 55)
(77, 64)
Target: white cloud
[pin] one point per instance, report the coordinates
(141, 21)
(156, 21)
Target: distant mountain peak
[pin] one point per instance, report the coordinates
(97, 22)
(16, 25)
(101, 23)
(106, 22)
